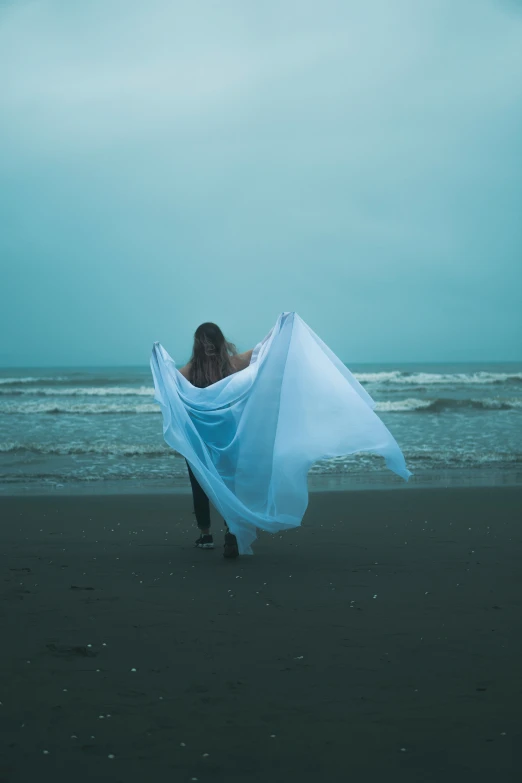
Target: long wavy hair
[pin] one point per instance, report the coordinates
(210, 360)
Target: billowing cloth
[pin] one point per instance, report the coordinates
(251, 438)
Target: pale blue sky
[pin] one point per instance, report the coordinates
(167, 163)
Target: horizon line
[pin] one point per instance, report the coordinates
(353, 362)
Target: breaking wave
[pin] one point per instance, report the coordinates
(65, 449)
(30, 379)
(446, 404)
(84, 383)
(80, 408)
(446, 379)
(409, 405)
(81, 391)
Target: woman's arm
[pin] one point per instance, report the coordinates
(242, 360)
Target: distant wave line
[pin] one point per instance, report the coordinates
(82, 391)
(30, 379)
(440, 404)
(78, 409)
(429, 379)
(99, 385)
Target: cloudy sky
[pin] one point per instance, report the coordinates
(167, 163)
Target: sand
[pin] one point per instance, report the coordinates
(381, 641)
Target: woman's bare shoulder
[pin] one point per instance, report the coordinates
(241, 360)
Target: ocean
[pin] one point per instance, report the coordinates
(98, 430)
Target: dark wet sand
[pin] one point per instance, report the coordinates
(282, 666)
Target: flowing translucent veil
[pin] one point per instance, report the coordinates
(251, 438)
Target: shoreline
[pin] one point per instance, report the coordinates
(317, 482)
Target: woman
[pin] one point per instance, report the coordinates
(252, 438)
(213, 358)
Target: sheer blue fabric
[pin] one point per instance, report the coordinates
(251, 438)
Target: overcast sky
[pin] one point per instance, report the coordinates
(165, 163)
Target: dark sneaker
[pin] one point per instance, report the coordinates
(230, 549)
(205, 542)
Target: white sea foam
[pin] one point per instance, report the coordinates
(80, 408)
(408, 405)
(26, 386)
(65, 449)
(400, 406)
(30, 379)
(447, 404)
(431, 378)
(81, 391)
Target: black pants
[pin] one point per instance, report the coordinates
(201, 501)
